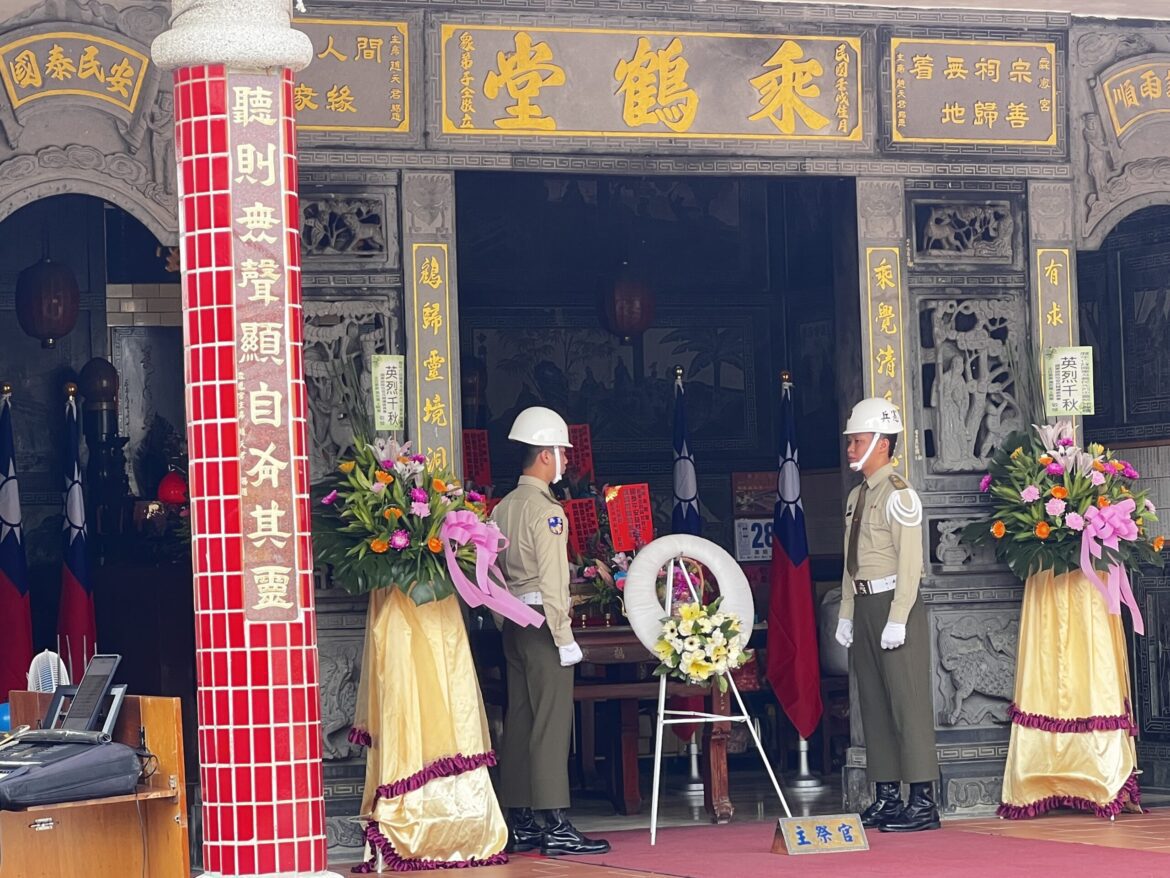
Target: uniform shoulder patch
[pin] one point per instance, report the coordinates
(898, 482)
(556, 525)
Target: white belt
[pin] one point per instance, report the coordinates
(874, 586)
(532, 598)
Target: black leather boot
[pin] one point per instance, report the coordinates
(920, 813)
(524, 832)
(886, 806)
(562, 839)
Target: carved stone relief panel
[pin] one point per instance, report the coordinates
(341, 337)
(1050, 212)
(427, 204)
(340, 668)
(354, 229)
(879, 210)
(975, 666)
(970, 794)
(950, 553)
(950, 231)
(971, 351)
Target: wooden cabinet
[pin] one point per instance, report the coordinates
(143, 834)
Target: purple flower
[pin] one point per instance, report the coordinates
(330, 498)
(1074, 521)
(1150, 507)
(422, 510)
(1130, 473)
(1055, 469)
(475, 496)
(985, 484)
(1030, 494)
(387, 465)
(1098, 479)
(1065, 442)
(590, 572)
(1055, 506)
(418, 458)
(418, 495)
(378, 487)
(399, 540)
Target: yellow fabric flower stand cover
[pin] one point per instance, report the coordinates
(1072, 723)
(429, 802)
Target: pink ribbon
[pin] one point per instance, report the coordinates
(461, 528)
(1106, 528)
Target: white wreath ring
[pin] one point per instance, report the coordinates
(646, 612)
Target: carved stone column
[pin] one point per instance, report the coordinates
(434, 409)
(256, 642)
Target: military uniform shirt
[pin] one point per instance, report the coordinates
(536, 558)
(889, 542)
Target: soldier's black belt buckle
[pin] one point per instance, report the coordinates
(861, 586)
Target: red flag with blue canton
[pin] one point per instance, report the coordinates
(684, 519)
(794, 667)
(16, 647)
(76, 625)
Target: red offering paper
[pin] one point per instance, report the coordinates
(631, 520)
(579, 458)
(583, 524)
(477, 461)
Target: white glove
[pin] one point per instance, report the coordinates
(570, 654)
(893, 635)
(845, 632)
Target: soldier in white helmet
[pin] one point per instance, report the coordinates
(885, 623)
(534, 753)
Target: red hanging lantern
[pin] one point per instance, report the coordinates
(47, 301)
(629, 306)
(173, 489)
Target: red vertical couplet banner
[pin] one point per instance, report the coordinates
(583, 523)
(477, 458)
(255, 629)
(579, 458)
(631, 518)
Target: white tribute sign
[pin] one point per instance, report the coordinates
(388, 374)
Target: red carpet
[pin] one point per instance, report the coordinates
(742, 850)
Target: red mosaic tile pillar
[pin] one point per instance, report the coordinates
(256, 647)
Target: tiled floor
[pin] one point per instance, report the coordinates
(1139, 832)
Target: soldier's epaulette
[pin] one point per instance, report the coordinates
(898, 482)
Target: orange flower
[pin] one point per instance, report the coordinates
(379, 546)
(439, 485)
(346, 466)
(1043, 460)
(1060, 492)
(1098, 466)
(392, 510)
(1043, 530)
(1159, 542)
(435, 545)
(1117, 465)
(384, 477)
(1102, 502)
(998, 530)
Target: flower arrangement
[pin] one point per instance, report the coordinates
(383, 522)
(1059, 507)
(699, 642)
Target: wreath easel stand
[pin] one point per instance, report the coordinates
(646, 613)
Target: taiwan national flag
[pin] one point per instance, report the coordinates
(16, 648)
(76, 625)
(793, 663)
(684, 520)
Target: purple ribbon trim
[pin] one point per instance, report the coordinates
(1057, 725)
(360, 737)
(447, 766)
(1129, 793)
(396, 863)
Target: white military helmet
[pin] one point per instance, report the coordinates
(874, 415)
(540, 426)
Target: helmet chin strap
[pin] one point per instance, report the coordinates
(856, 467)
(560, 470)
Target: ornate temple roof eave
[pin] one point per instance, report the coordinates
(251, 35)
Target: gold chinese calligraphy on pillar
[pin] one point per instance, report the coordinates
(884, 335)
(263, 382)
(1054, 300)
(431, 369)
